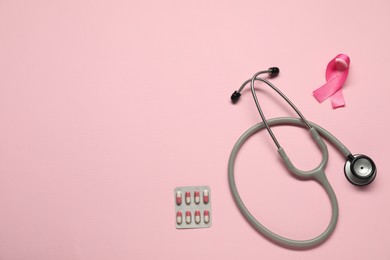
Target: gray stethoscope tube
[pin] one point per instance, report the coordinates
(359, 169)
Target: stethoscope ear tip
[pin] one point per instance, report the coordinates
(360, 169)
(273, 71)
(235, 96)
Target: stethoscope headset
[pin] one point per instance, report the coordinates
(359, 169)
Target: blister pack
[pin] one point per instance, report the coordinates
(193, 207)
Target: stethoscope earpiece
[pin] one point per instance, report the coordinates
(273, 71)
(360, 169)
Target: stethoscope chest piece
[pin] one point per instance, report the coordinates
(360, 169)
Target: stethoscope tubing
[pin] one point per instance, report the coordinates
(320, 177)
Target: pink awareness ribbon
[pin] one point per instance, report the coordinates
(336, 74)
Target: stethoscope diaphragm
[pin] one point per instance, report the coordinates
(360, 169)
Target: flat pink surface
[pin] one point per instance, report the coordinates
(107, 106)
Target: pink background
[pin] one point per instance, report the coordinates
(107, 106)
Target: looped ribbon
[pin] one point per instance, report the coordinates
(336, 74)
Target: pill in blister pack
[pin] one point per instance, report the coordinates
(193, 207)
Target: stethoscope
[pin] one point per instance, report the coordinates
(359, 169)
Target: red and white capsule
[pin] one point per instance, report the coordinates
(197, 197)
(178, 197)
(188, 197)
(188, 217)
(197, 216)
(179, 217)
(206, 216)
(206, 196)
